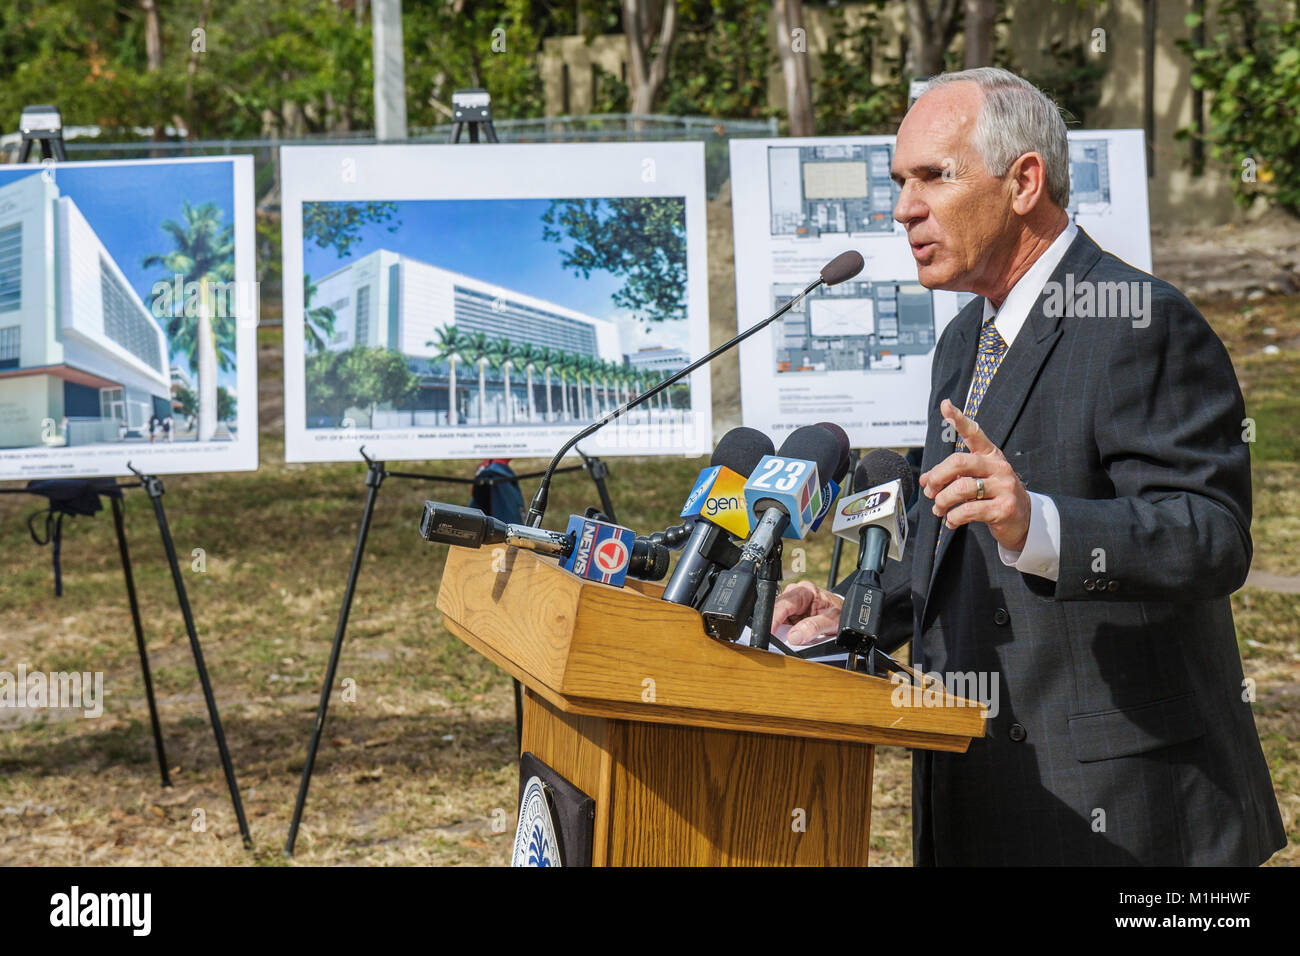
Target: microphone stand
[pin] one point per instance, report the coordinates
(538, 507)
(766, 589)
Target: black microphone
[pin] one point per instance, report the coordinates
(709, 546)
(471, 528)
(877, 519)
(780, 490)
(840, 269)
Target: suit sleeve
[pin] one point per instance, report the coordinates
(1167, 417)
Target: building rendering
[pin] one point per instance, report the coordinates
(81, 358)
(394, 301)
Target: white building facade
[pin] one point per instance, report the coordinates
(81, 358)
(389, 300)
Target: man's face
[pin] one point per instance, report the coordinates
(958, 217)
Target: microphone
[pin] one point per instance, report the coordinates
(831, 490)
(840, 269)
(877, 520)
(716, 504)
(471, 528)
(782, 496)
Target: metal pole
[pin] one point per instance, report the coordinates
(116, 497)
(155, 489)
(374, 478)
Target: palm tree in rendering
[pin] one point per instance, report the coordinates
(450, 346)
(318, 323)
(526, 356)
(203, 254)
(546, 359)
(503, 357)
(478, 350)
(567, 365)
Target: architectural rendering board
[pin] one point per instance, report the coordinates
(797, 203)
(128, 318)
(470, 301)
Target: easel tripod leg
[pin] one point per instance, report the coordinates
(139, 639)
(154, 487)
(332, 669)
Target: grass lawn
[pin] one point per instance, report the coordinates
(412, 770)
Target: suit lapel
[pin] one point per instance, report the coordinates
(1009, 389)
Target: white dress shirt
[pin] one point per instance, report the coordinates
(1042, 552)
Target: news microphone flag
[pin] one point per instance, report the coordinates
(882, 505)
(791, 483)
(719, 495)
(830, 491)
(601, 551)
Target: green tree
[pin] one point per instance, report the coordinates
(525, 356)
(203, 254)
(450, 344)
(318, 326)
(547, 359)
(188, 403)
(226, 404)
(640, 239)
(470, 44)
(337, 225)
(478, 351)
(360, 377)
(1251, 66)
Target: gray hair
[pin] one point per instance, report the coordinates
(1016, 118)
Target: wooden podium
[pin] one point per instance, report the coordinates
(696, 752)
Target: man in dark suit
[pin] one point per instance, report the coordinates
(1085, 513)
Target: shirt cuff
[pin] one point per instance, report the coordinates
(1042, 551)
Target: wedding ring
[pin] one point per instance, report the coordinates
(979, 489)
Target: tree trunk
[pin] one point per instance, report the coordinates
(451, 394)
(153, 58)
(207, 369)
(532, 412)
(510, 411)
(646, 74)
(482, 397)
(929, 29)
(792, 48)
(550, 414)
(980, 15)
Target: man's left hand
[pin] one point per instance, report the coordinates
(954, 484)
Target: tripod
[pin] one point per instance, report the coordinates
(376, 472)
(73, 496)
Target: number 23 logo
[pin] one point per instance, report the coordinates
(790, 472)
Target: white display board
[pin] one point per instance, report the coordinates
(472, 301)
(859, 354)
(128, 318)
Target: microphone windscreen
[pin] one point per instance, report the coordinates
(741, 449)
(880, 466)
(842, 439)
(842, 268)
(813, 444)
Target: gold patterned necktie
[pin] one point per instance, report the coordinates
(988, 356)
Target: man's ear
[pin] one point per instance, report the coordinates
(1028, 180)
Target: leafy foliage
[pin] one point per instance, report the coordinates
(359, 377)
(204, 252)
(846, 100)
(337, 225)
(1251, 65)
(640, 239)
